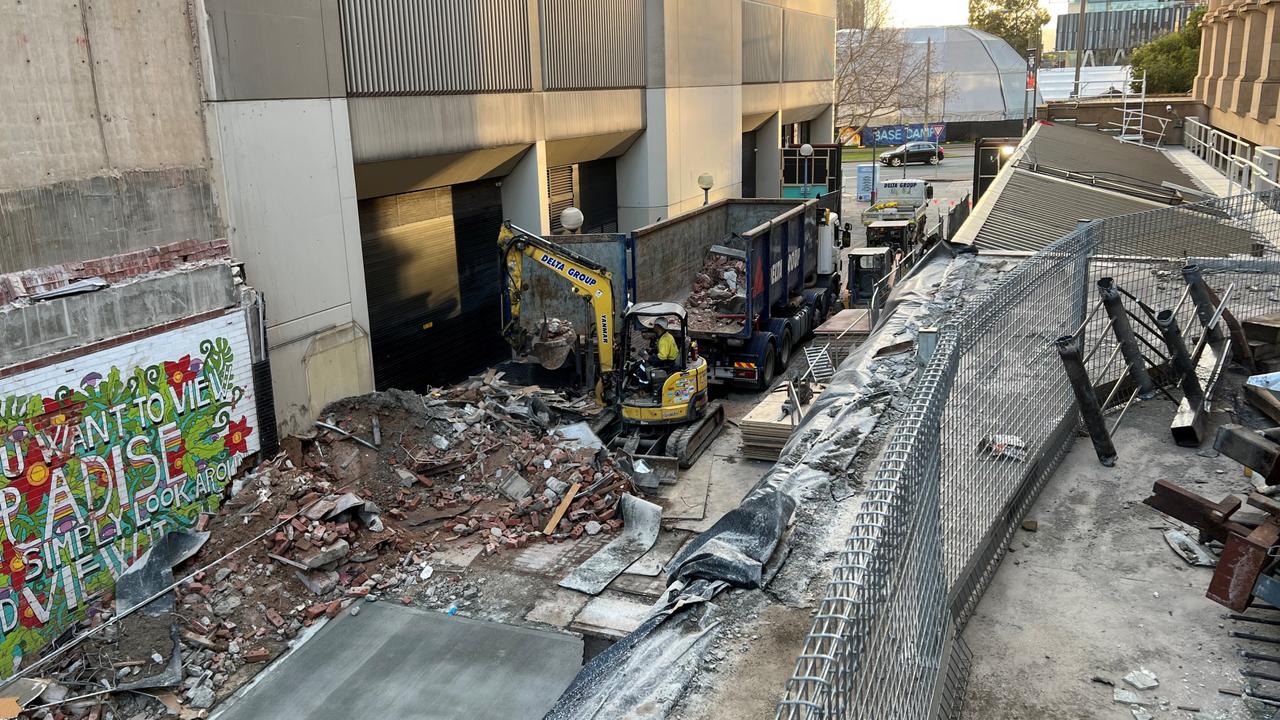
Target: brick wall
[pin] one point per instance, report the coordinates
(25, 283)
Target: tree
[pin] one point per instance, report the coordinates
(1018, 22)
(1171, 60)
(881, 77)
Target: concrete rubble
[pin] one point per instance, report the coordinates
(339, 519)
(717, 300)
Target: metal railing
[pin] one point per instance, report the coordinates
(1241, 163)
(936, 517)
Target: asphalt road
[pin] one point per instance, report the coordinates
(952, 180)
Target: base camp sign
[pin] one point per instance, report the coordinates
(103, 454)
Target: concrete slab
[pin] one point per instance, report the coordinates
(730, 479)
(557, 607)
(398, 662)
(610, 615)
(1096, 591)
(687, 499)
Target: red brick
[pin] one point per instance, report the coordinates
(257, 655)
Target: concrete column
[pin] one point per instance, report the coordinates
(1217, 33)
(1232, 51)
(524, 191)
(823, 127)
(769, 158)
(1199, 87)
(1266, 91)
(1254, 48)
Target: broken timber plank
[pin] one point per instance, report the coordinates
(562, 508)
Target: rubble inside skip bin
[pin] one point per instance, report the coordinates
(717, 301)
(353, 515)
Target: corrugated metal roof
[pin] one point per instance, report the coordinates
(1090, 152)
(1033, 210)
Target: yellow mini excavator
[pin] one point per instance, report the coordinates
(662, 404)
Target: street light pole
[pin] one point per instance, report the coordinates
(806, 151)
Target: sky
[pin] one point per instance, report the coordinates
(908, 13)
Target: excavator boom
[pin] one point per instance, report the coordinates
(586, 278)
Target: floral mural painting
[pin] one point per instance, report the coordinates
(95, 471)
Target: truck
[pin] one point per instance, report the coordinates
(898, 218)
(778, 282)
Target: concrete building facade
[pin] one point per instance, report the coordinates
(358, 156)
(366, 171)
(1239, 75)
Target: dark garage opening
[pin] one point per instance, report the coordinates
(431, 273)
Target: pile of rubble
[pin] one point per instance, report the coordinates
(551, 342)
(718, 299)
(348, 514)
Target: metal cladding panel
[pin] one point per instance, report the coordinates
(809, 47)
(592, 44)
(761, 42)
(1121, 29)
(431, 47)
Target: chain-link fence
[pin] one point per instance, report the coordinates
(991, 417)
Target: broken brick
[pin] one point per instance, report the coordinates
(257, 655)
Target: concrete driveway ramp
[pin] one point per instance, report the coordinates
(391, 661)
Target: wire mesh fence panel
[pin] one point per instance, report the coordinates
(990, 418)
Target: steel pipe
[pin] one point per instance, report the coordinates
(1180, 359)
(1206, 308)
(1123, 330)
(1087, 400)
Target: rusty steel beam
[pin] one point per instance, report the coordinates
(1212, 519)
(1247, 550)
(1241, 564)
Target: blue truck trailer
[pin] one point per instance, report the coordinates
(784, 281)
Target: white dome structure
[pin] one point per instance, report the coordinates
(985, 78)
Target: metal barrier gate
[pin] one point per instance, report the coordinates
(934, 520)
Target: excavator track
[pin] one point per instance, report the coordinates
(688, 442)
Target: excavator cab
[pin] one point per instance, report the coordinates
(868, 266)
(657, 393)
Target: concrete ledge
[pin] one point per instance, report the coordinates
(41, 329)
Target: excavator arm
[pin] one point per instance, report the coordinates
(586, 278)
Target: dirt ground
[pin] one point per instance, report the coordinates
(1095, 592)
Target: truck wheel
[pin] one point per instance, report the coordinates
(784, 349)
(896, 162)
(765, 377)
(819, 313)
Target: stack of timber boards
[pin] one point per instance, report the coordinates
(765, 430)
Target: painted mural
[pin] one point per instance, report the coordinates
(102, 455)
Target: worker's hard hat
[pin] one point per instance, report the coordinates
(660, 323)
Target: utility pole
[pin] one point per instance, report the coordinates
(1079, 47)
(928, 76)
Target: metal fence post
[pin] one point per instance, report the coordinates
(1114, 305)
(1090, 410)
(1180, 358)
